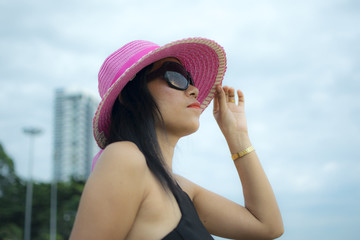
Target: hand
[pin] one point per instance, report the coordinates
(230, 115)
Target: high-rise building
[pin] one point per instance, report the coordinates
(74, 144)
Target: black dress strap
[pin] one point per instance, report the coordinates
(190, 226)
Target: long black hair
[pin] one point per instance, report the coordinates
(133, 119)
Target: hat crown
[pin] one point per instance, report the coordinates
(120, 60)
(203, 58)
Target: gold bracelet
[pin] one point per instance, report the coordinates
(243, 153)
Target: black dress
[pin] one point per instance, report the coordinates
(190, 227)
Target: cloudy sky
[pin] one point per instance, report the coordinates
(298, 63)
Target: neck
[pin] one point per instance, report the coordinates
(167, 145)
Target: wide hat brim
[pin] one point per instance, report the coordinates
(203, 58)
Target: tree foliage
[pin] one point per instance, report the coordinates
(12, 204)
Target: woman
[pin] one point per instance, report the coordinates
(151, 97)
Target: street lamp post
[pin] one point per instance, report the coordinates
(32, 132)
(53, 204)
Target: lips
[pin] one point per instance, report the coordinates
(195, 105)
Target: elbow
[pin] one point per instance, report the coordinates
(276, 231)
(278, 234)
(275, 228)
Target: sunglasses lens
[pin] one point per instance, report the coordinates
(176, 80)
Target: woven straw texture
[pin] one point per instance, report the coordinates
(203, 58)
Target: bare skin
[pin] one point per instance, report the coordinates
(122, 199)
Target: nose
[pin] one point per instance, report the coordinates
(192, 91)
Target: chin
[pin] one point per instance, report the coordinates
(183, 127)
(192, 129)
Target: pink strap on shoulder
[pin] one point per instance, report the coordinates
(96, 158)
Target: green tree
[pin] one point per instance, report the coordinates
(12, 199)
(69, 194)
(40, 224)
(12, 204)
(11, 231)
(7, 171)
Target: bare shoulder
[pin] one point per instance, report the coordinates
(119, 179)
(121, 155)
(122, 163)
(120, 168)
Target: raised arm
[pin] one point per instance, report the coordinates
(260, 218)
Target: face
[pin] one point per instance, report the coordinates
(179, 108)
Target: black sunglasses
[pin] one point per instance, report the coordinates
(174, 74)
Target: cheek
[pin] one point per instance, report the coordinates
(172, 105)
(165, 97)
(169, 104)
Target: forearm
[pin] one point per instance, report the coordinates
(258, 194)
(259, 197)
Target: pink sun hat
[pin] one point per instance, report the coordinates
(203, 58)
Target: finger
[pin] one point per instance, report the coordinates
(221, 96)
(241, 99)
(231, 95)
(216, 101)
(226, 91)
